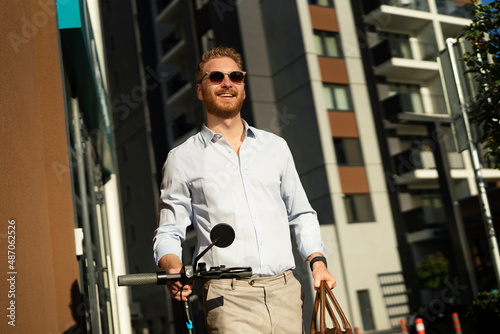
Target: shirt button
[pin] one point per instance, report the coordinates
(252, 282)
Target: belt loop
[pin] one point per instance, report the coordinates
(233, 283)
(284, 276)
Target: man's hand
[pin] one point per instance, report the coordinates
(321, 273)
(173, 265)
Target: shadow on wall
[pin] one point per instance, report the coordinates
(77, 311)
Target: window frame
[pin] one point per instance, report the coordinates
(349, 97)
(339, 144)
(323, 34)
(315, 3)
(356, 217)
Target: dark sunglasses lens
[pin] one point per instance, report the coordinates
(236, 77)
(216, 77)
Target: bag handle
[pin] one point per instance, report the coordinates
(343, 318)
(321, 302)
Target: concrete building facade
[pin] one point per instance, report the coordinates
(426, 171)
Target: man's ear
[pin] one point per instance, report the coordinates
(199, 93)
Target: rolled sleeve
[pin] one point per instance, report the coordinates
(175, 211)
(302, 217)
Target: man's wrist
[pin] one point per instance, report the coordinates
(316, 259)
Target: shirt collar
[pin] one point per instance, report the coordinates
(210, 136)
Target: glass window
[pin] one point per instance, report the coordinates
(399, 44)
(327, 44)
(411, 99)
(456, 8)
(358, 208)
(325, 3)
(348, 151)
(337, 97)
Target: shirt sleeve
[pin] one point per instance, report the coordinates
(303, 220)
(174, 210)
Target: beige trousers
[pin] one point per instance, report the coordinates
(266, 305)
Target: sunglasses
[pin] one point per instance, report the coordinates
(216, 77)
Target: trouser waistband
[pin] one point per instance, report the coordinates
(282, 278)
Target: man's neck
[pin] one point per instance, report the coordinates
(232, 129)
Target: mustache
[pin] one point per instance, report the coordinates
(224, 91)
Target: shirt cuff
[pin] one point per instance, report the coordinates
(164, 249)
(309, 247)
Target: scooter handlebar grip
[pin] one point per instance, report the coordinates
(138, 279)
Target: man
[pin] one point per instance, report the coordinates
(235, 174)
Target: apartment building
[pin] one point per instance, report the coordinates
(427, 175)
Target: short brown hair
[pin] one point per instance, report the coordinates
(218, 52)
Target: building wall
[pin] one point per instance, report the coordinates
(34, 159)
(362, 251)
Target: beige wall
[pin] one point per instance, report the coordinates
(33, 139)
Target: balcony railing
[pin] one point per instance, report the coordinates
(401, 48)
(450, 8)
(397, 104)
(486, 161)
(424, 217)
(422, 5)
(391, 48)
(413, 103)
(396, 60)
(169, 10)
(428, 51)
(438, 104)
(162, 4)
(413, 159)
(169, 42)
(175, 84)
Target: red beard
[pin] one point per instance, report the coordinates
(222, 108)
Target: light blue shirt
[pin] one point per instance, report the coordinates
(258, 193)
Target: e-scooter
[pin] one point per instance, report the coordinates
(222, 235)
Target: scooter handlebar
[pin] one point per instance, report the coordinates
(161, 277)
(146, 278)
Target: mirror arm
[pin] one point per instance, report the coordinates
(203, 253)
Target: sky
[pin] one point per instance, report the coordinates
(485, 2)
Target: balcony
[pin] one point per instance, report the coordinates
(414, 159)
(370, 5)
(173, 47)
(428, 51)
(178, 89)
(395, 60)
(447, 7)
(400, 107)
(405, 15)
(424, 217)
(168, 10)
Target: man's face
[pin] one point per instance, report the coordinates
(225, 99)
